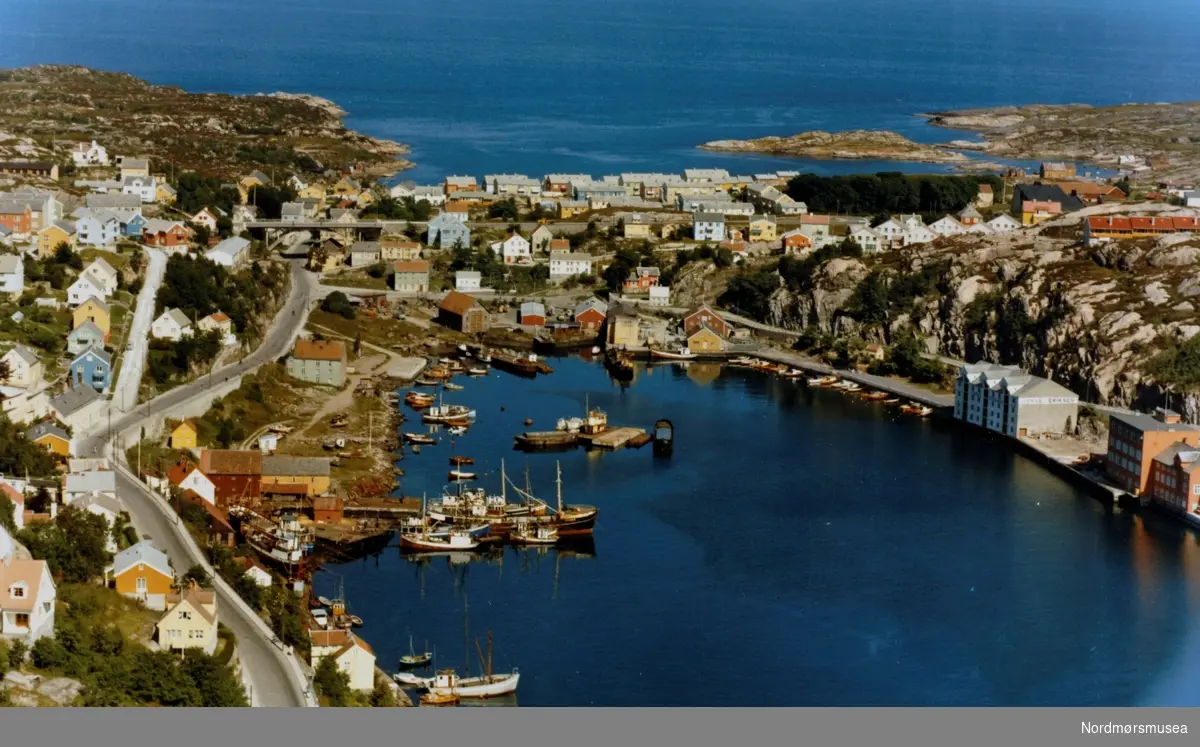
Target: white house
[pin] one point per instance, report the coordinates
(206, 218)
(352, 655)
(467, 280)
(97, 228)
(259, 575)
(172, 324)
(24, 368)
(919, 234)
(566, 264)
(103, 275)
(145, 187)
(891, 231)
(94, 154)
(198, 482)
(231, 252)
(708, 227)
(514, 250)
(220, 322)
(27, 596)
(947, 225)
(83, 289)
(79, 484)
(12, 274)
(870, 241)
(660, 295)
(540, 239)
(1004, 223)
(268, 442)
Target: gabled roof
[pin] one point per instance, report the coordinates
(96, 301)
(410, 265)
(135, 163)
(109, 503)
(295, 466)
(175, 315)
(25, 354)
(100, 267)
(319, 350)
(26, 572)
(1046, 193)
(592, 303)
(201, 601)
(74, 400)
(365, 247)
(533, 308)
(98, 352)
(457, 303)
(230, 462)
(708, 218)
(46, 428)
(96, 480)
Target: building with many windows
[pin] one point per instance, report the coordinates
(1136, 440)
(1007, 400)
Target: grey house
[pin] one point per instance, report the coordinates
(365, 253)
(83, 337)
(445, 232)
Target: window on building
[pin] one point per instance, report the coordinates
(21, 619)
(17, 592)
(185, 615)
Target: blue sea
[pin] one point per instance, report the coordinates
(538, 86)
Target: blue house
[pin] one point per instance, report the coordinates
(85, 336)
(446, 231)
(93, 368)
(133, 227)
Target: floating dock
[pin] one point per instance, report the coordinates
(619, 437)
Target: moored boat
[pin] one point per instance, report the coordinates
(827, 381)
(916, 409)
(526, 533)
(456, 475)
(450, 386)
(455, 539)
(682, 354)
(477, 371)
(460, 460)
(413, 660)
(439, 700)
(419, 438)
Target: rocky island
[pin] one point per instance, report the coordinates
(46, 109)
(878, 145)
(1159, 139)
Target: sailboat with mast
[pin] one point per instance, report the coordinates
(413, 660)
(424, 539)
(448, 682)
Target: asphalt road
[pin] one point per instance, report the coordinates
(134, 361)
(269, 672)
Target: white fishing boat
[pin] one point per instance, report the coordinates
(457, 430)
(456, 475)
(455, 539)
(525, 533)
(450, 386)
(682, 354)
(477, 371)
(448, 681)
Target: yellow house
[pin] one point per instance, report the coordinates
(636, 228)
(249, 182)
(165, 193)
(295, 475)
(312, 192)
(190, 620)
(571, 208)
(762, 228)
(365, 197)
(184, 436)
(50, 436)
(704, 340)
(92, 310)
(54, 234)
(347, 186)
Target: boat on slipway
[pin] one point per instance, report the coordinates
(284, 544)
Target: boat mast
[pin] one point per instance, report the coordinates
(503, 482)
(558, 481)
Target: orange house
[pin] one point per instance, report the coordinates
(1135, 440)
(142, 572)
(16, 218)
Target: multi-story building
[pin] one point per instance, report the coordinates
(318, 362)
(1135, 440)
(1007, 400)
(708, 227)
(1175, 478)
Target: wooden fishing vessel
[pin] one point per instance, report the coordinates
(477, 371)
(545, 441)
(827, 381)
(532, 533)
(455, 539)
(448, 414)
(284, 544)
(792, 373)
(441, 373)
(419, 438)
(423, 381)
(448, 681)
(439, 700)
(874, 395)
(458, 461)
(418, 400)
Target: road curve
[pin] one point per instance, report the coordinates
(275, 679)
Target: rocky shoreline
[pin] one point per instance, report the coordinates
(878, 145)
(46, 109)
(1162, 140)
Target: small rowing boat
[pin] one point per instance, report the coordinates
(458, 461)
(450, 386)
(920, 411)
(419, 438)
(456, 475)
(476, 371)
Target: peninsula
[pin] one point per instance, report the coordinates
(878, 145)
(1162, 139)
(46, 109)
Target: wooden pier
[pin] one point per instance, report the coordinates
(619, 437)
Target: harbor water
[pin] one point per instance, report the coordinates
(800, 547)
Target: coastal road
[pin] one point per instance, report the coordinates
(133, 362)
(275, 679)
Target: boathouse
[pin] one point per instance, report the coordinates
(590, 314)
(533, 314)
(705, 316)
(705, 340)
(461, 312)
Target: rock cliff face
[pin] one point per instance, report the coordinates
(1088, 317)
(854, 144)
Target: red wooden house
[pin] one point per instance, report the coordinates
(705, 316)
(236, 475)
(591, 314)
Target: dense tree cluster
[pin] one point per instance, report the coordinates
(115, 671)
(888, 192)
(880, 298)
(338, 303)
(269, 199)
(74, 545)
(389, 208)
(19, 456)
(199, 287)
(1177, 364)
(168, 360)
(195, 192)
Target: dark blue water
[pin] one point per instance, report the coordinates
(799, 548)
(536, 86)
